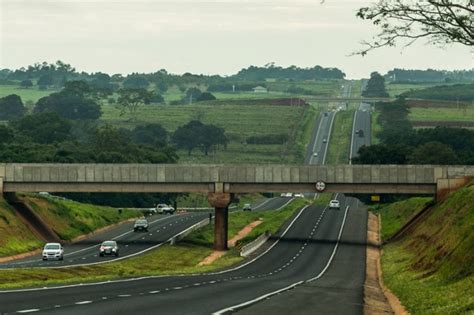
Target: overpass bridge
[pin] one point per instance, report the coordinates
(220, 181)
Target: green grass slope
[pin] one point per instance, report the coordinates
(67, 218)
(70, 219)
(15, 236)
(431, 269)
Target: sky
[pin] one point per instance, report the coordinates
(204, 36)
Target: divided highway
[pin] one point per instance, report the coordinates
(361, 129)
(311, 251)
(161, 229)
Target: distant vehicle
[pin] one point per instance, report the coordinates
(247, 207)
(140, 225)
(44, 193)
(334, 204)
(164, 208)
(287, 195)
(315, 154)
(109, 248)
(283, 195)
(298, 195)
(53, 251)
(325, 140)
(361, 133)
(325, 114)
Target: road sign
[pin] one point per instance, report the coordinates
(320, 186)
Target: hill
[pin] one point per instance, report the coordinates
(431, 269)
(67, 218)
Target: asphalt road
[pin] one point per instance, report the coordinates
(362, 121)
(325, 246)
(161, 229)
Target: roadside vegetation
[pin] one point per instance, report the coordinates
(181, 258)
(67, 218)
(431, 268)
(340, 140)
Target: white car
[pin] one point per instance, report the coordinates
(164, 208)
(315, 154)
(299, 195)
(53, 251)
(334, 204)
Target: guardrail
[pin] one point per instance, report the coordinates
(186, 232)
(255, 244)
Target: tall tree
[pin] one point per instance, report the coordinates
(440, 21)
(375, 86)
(195, 134)
(43, 127)
(136, 81)
(70, 104)
(11, 107)
(130, 99)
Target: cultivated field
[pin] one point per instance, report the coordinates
(239, 121)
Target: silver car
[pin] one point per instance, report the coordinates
(53, 251)
(334, 204)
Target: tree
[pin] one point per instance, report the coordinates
(43, 127)
(11, 107)
(205, 96)
(135, 81)
(149, 134)
(192, 94)
(433, 153)
(440, 21)
(375, 86)
(157, 98)
(130, 99)
(44, 81)
(69, 104)
(195, 134)
(26, 84)
(6, 134)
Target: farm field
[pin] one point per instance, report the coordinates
(395, 89)
(441, 114)
(239, 121)
(27, 95)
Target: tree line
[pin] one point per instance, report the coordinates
(400, 143)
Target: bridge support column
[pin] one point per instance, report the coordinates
(220, 202)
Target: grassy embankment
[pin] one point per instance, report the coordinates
(395, 89)
(178, 259)
(340, 141)
(67, 218)
(441, 114)
(431, 269)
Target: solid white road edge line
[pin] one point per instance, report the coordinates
(150, 277)
(352, 136)
(238, 306)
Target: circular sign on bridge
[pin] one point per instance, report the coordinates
(320, 186)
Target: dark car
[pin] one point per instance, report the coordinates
(140, 225)
(109, 248)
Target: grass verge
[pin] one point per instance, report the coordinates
(339, 144)
(441, 114)
(167, 260)
(431, 269)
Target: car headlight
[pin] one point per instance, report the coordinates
(113, 249)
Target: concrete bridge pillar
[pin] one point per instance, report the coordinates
(220, 202)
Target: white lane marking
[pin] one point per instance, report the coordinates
(154, 292)
(329, 136)
(262, 254)
(29, 311)
(102, 262)
(334, 250)
(83, 302)
(177, 288)
(124, 295)
(238, 306)
(352, 137)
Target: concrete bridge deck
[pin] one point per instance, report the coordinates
(228, 178)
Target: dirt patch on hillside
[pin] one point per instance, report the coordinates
(377, 298)
(231, 243)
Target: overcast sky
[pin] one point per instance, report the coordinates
(203, 36)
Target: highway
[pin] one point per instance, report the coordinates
(161, 229)
(318, 247)
(362, 121)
